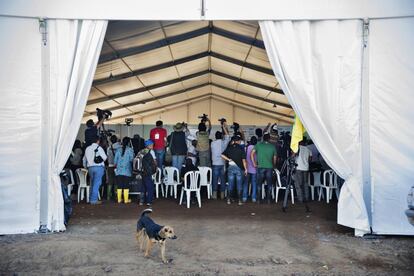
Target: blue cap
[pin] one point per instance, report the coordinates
(148, 142)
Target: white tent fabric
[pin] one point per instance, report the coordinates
(318, 64)
(391, 78)
(75, 46)
(20, 118)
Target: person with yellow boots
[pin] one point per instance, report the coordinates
(123, 163)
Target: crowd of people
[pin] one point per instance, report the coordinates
(243, 164)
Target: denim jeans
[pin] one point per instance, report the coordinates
(177, 161)
(252, 178)
(147, 189)
(160, 155)
(218, 173)
(235, 174)
(264, 174)
(96, 173)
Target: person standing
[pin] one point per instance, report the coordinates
(110, 152)
(91, 131)
(251, 171)
(236, 157)
(76, 157)
(149, 167)
(266, 159)
(217, 148)
(159, 136)
(203, 143)
(94, 160)
(301, 176)
(178, 146)
(123, 162)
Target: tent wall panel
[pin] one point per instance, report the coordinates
(20, 117)
(391, 97)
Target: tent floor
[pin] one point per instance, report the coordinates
(214, 240)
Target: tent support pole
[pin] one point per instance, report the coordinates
(45, 131)
(365, 124)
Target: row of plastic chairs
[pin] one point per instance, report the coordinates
(329, 184)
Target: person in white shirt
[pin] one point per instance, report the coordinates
(217, 148)
(94, 160)
(301, 176)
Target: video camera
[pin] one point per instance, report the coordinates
(222, 121)
(128, 121)
(103, 114)
(203, 118)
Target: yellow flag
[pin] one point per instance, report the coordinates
(297, 134)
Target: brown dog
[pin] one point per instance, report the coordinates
(149, 233)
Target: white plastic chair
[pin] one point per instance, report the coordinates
(158, 183)
(328, 174)
(280, 187)
(193, 186)
(316, 184)
(205, 179)
(171, 178)
(71, 184)
(83, 184)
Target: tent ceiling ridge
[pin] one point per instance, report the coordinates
(184, 78)
(179, 38)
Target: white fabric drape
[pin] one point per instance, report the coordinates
(391, 82)
(74, 46)
(20, 120)
(318, 65)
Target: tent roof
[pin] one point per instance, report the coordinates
(149, 66)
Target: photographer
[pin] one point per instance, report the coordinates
(203, 142)
(217, 148)
(94, 160)
(92, 131)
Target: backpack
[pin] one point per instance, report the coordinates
(144, 164)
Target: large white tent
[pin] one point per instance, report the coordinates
(345, 67)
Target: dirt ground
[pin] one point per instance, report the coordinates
(214, 240)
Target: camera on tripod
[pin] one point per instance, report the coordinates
(128, 121)
(103, 114)
(203, 118)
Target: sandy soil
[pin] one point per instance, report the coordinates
(214, 240)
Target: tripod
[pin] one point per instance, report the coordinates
(290, 166)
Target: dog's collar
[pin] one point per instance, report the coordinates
(159, 238)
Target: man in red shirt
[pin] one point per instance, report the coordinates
(159, 136)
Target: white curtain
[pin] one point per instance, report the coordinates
(318, 65)
(74, 46)
(391, 82)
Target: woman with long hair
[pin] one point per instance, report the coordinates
(123, 163)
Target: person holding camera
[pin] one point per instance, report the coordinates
(266, 159)
(159, 136)
(237, 170)
(203, 142)
(217, 148)
(94, 160)
(91, 131)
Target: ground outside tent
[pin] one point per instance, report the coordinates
(214, 240)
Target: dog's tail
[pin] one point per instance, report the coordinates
(145, 212)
